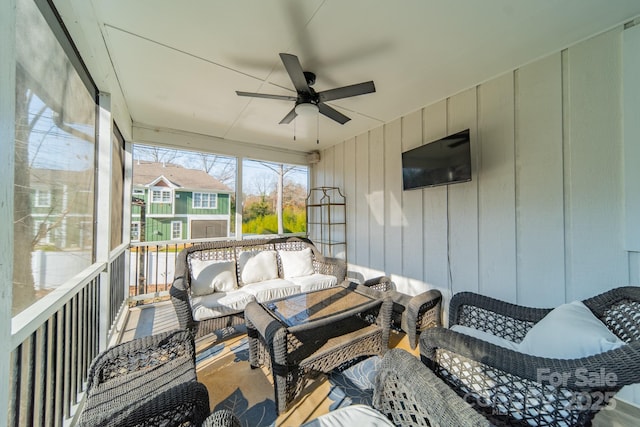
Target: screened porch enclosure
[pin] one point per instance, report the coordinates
(547, 217)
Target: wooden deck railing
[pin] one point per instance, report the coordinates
(54, 341)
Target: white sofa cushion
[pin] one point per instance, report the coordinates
(314, 282)
(210, 276)
(486, 336)
(569, 331)
(350, 416)
(296, 263)
(220, 304)
(268, 290)
(257, 266)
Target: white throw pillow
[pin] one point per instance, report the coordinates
(257, 266)
(570, 331)
(212, 276)
(486, 336)
(296, 263)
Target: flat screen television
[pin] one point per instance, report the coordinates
(441, 162)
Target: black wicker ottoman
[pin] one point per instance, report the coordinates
(150, 381)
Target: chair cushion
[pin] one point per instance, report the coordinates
(296, 263)
(350, 416)
(257, 266)
(485, 336)
(570, 331)
(212, 276)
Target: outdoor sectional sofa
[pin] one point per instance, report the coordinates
(215, 281)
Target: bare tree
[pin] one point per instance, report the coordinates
(280, 170)
(262, 185)
(219, 167)
(155, 154)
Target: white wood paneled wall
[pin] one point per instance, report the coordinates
(593, 167)
(631, 151)
(540, 223)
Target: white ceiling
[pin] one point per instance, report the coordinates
(179, 63)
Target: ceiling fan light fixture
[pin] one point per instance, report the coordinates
(307, 110)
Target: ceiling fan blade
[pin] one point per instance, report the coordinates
(266, 95)
(332, 113)
(289, 117)
(346, 91)
(293, 67)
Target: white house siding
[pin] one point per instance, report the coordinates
(542, 220)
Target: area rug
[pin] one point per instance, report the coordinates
(223, 366)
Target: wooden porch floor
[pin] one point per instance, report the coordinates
(159, 317)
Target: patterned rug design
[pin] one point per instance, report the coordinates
(223, 366)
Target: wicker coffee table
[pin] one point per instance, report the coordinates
(304, 335)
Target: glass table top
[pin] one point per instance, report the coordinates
(310, 306)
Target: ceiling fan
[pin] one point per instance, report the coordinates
(307, 98)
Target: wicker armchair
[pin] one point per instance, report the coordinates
(149, 381)
(409, 394)
(506, 385)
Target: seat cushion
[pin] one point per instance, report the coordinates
(350, 416)
(486, 336)
(271, 289)
(220, 304)
(314, 282)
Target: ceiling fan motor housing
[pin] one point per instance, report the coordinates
(311, 78)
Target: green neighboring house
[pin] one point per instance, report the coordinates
(179, 203)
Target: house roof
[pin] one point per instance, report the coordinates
(147, 174)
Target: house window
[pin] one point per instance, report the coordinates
(205, 200)
(135, 231)
(176, 229)
(161, 196)
(138, 192)
(43, 199)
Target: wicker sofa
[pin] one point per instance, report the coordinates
(215, 281)
(514, 364)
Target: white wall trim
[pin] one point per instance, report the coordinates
(104, 206)
(7, 153)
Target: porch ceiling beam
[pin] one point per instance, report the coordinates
(210, 144)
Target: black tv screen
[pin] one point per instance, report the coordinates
(441, 162)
